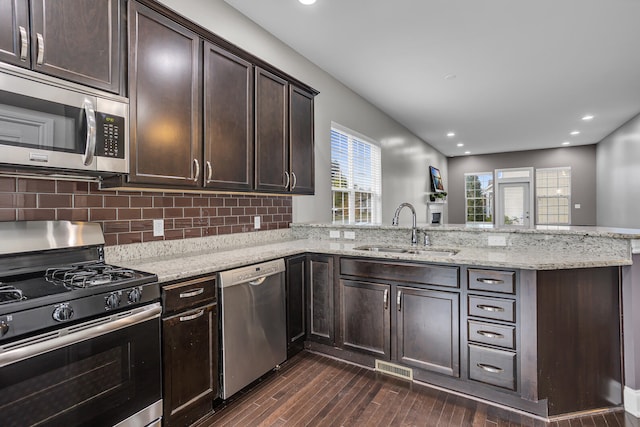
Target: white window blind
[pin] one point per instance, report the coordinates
(355, 178)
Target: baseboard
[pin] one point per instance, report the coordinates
(632, 401)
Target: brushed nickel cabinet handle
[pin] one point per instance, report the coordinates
(24, 43)
(490, 281)
(399, 301)
(197, 164)
(40, 59)
(385, 298)
(192, 316)
(193, 293)
(491, 308)
(489, 368)
(295, 180)
(286, 175)
(209, 171)
(490, 334)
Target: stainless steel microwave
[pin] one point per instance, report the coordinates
(47, 122)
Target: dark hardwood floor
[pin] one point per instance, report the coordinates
(318, 391)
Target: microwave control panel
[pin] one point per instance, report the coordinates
(110, 135)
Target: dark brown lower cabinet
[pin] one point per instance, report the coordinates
(428, 329)
(295, 285)
(190, 353)
(320, 299)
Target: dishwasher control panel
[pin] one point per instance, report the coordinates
(251, 273)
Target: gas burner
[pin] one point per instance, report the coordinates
(87, 275)
(9, 294)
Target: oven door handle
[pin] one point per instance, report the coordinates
(34, 346)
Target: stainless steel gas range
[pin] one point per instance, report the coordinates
(79, 339)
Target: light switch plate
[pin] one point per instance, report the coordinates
(158, 227)
(256, 222)
(577, 206)
(350, 235)
(334, 234)
(497, 241)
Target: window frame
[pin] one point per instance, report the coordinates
(548, 197)
(490, 199)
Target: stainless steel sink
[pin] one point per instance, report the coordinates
(413, 251)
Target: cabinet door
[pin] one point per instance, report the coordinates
(295, 304)
(14, 32)
(78, 41)
(165, 104)
(366, 317)
(271, 133)
(301, 158)
(428, 329)
(190, 353)
(228, 120)
(320, 318)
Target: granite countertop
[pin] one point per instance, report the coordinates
(185, 265)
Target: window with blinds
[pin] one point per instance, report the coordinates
(553, 196)
(356, 182)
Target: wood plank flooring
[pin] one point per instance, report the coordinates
(312, 390)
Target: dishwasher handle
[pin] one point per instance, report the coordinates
(258, 282)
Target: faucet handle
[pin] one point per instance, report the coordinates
(427, 240)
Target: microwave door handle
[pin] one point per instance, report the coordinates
(90, 115)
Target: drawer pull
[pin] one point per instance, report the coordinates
(490, 281)
(489, 368)
(385, 298)
(490, 308)
(399, 301)
(193, 293)
(490, 334)
(191, 316)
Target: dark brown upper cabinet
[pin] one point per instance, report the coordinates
(75, 40)
(301, 148)
(272, 172)
(165, 101)
(228, 120)
(284, 136)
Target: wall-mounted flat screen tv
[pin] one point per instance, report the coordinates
(436, 180)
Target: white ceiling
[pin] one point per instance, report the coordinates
(526, 71)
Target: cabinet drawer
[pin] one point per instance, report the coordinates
(401, 272)
(492, 308)
(490, 366)
(488, 333)
(188, 294)
(492, 281)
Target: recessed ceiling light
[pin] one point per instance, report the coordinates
(460, 144)
(566, 143)
(467, 152)
(307, 2)
(588, 117)
(450, 76)
(451, 134)
(575, 132)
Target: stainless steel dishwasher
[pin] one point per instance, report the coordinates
(254, 337)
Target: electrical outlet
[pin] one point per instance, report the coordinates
(334, 234)
(577, 206)
(158, 227)
(497, 241)
(350, 235)
(256, 222)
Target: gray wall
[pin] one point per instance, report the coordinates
(618, 168)
(581, 159)
(405, 157)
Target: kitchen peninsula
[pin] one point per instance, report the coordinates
(529, 319)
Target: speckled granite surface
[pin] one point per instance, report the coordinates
(191, 257)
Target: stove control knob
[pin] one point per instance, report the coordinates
(135, 295)
(112, 301)
(62, 313)
(4, 328)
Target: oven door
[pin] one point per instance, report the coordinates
(98, 373)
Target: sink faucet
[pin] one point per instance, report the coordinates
(414, 231)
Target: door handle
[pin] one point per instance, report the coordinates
(40, 45)
(209, 171)
(399, 301)
(192, 316)
(24, 43)
(193, 293)
(385, 299)
(295, 180)
(286, 175)
(197, 174)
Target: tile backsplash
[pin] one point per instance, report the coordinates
(127, 216)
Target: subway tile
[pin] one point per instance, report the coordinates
(245, 220)
(73, 214)
(26, 185)
(244, 202)
(129, 193)
(18, 200)
(277, 202)
(98, 214)
(88, 201)
(193, 212)
(216, 220)
(116, 201)
(173, 234)
(7, 214)
(129, 213)
(267, 202)
(141, 225)
(201, 201)
(141, 202)
(36, 214)
(169, 224)
(201, 222)
(256, 202)
(262, 211)
(163, 202)
(223, 211)
(230, 220)
(183, 223)
(152, 213)
(183, 202)
(210, 231)
(72, 187)
(148, 236)
(94, 188)
(173, 213)
(239, 229)
(287, 201)
(192, 232)
(116, 227)
(126, 238)
(54, 200)
(215, 201)
(110, 239)
(7, 185)
(230, 201)
(250, 211)
(225, 229)
(272, 210)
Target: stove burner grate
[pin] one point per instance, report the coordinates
(9, 294)
(87, 275)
